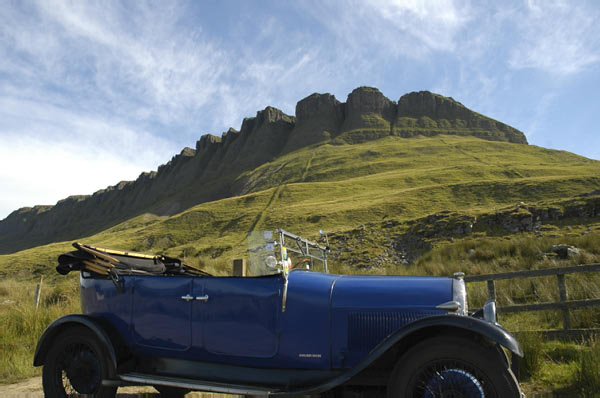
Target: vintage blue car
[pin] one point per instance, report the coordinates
(287, 331)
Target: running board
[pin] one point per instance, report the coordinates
(190, 384)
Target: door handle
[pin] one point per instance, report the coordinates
(202, 298)
(187, 297)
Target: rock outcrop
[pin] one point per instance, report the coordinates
(392, 242)
(425, 113)
(318, 119)
(209, 171)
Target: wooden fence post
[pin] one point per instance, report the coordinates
(239, 267)
(38, 293)
(491, 290)
(562, 292)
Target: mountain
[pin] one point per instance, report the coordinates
(242, 162)
(380, 201)
(423, 186)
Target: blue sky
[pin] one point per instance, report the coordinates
(92, 93)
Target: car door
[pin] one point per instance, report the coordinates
(161, 313)
(238, 316)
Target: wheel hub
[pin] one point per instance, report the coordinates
(453, 383)
(83, 372)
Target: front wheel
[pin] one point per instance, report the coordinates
(451, 367)
(76, 363)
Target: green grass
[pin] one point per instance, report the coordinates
(367, 196)
(340, 187)
(568, 368)
(22, 324)
(530, 365)
(588, 369)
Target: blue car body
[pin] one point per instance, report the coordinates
(331, 321)
(282, 334)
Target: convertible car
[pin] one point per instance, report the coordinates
(289, 329)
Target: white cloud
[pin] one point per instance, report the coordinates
(410, 28)
(48, 153)
(115, 77)
(435, 23)
(558, 37)
(88, 89)
(135, 60)
(38, 171)
(37, 120)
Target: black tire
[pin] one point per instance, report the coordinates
(76, 363)
(171, 392)
(452, 367)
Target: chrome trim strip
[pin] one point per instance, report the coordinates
(449, 306)
(193, 384)
(285, 289)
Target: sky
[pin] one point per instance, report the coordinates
(96, 92)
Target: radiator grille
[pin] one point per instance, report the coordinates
(367, 329)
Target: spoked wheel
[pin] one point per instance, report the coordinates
(76, 364)
(452, 368)
(449, 379)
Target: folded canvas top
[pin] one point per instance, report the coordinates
(108, 261)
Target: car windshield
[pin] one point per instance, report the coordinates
(278, 251)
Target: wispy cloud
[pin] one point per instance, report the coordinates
(433, 23)
(410, 28)
(48, 152)
(49, 171)
(107, 50)
(131, 83)
(561, 38)
(128, 84)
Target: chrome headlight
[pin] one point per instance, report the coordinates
(459, 293)
(489, 311)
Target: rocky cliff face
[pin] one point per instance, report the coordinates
(318, 119)
(209, 171)
(427, 113)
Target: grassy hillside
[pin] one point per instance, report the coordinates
(340, 187)
(424, 205)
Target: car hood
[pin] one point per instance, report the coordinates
(389, 292)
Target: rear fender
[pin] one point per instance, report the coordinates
(76, 320)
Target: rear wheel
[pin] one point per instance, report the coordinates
(451, 367)
(76, 363)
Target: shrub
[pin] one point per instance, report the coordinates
(532, 344)
(588, 369)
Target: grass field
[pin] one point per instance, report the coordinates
(356, 192)
(340, 187)
(549, 365)
(22, 324)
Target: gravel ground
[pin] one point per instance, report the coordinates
(32, 388)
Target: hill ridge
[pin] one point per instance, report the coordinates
(209, 171)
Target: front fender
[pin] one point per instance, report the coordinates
(61, 324)
(491, 331)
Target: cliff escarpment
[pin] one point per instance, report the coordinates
(209, 172)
